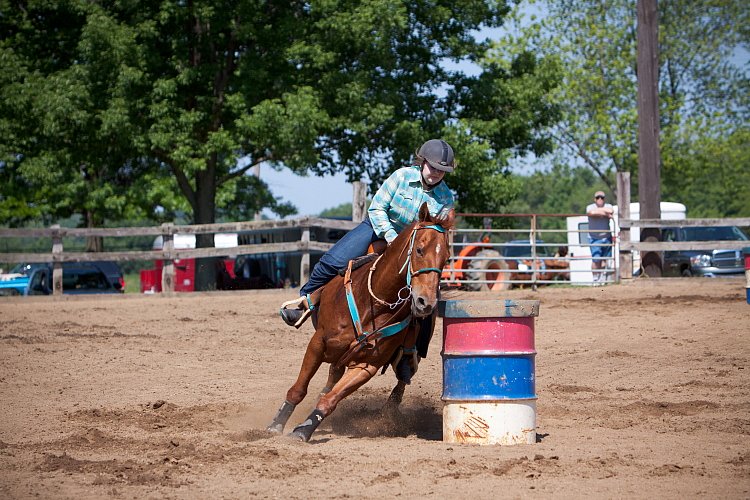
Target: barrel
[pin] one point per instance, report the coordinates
(746, 253)
(489, 371)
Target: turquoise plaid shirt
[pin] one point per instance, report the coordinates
(397, 202)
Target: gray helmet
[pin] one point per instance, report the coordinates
(438, 154)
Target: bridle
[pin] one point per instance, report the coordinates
(400, 297)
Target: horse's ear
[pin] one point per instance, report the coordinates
(424, 213)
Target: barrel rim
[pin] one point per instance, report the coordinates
(488, 308)
(485, 353)
(487, 399)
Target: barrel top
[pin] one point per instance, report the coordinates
(482, 308)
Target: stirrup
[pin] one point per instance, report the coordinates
(303, 303)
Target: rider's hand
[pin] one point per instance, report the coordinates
(446, 218)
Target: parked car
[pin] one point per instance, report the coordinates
(78, 278)
(708, 262)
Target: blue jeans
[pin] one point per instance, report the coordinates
(354, 244)
(600, 247)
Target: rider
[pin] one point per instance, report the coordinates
(394, 206)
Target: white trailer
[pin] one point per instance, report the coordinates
(578, 240)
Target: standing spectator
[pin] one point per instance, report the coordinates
(600, 236)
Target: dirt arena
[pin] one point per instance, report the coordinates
(644, 392)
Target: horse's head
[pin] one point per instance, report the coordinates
(426, 255)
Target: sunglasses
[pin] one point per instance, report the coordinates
(598, 197)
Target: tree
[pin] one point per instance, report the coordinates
(703, 94)
(197, 93)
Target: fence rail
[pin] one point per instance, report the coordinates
(168, 253)
(492, 262)
(662, 223)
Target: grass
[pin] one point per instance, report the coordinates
(132, 283)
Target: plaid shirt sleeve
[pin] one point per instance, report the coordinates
(381, 202)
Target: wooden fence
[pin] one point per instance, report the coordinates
(625, 223)
(168, 253)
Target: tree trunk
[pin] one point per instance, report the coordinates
(93, 243)
(204, 212)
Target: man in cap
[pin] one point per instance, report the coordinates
(600, 236)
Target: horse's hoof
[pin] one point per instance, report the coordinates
(299, 436)
(275, 428)
(392, 411)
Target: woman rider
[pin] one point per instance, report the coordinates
(395, 206)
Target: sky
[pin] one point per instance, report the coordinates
(311, 195)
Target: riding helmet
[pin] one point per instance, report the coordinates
(438, 154)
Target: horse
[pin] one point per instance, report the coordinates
(387, 297)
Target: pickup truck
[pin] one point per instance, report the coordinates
(78, 278)
(708, 262)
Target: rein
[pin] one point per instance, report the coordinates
(363, 338)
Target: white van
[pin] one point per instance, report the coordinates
(578, 240)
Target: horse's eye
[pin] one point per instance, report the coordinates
(420, 251)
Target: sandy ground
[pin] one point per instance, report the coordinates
(643, 392)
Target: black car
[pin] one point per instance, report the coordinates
(708, 262)
(77, 276)
(80, 278)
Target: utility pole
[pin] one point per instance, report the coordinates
(649, 158)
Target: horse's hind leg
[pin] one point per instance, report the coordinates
(353, 379)
(334, 375)
(310, 364)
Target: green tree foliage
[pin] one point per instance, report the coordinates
(185, 98)
(703, 93)
(711, 176)
(343, 210)
(66, 130)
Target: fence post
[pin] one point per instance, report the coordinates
(304, 265)
(623, 209)
(532, 240)
(57, 266)
(167, 272)
(359, 201)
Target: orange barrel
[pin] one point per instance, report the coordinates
(489, 371)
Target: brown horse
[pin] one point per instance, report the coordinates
(401, 284)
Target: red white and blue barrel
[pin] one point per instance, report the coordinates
(746, 253)
(488, 371)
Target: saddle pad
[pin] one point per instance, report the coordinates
(359, 262)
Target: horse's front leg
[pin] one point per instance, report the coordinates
(396, 397)
(310, 364)
(354, 378)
